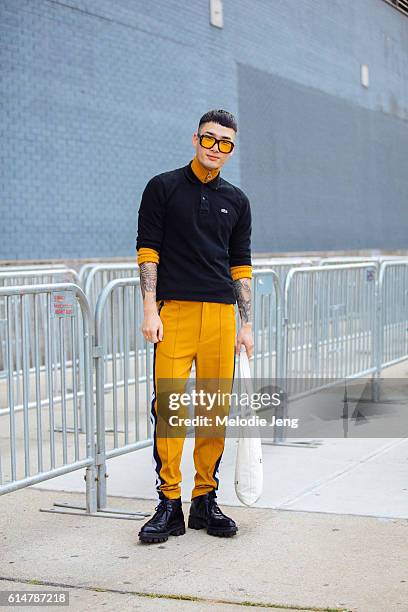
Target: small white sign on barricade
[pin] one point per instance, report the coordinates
(63, 304)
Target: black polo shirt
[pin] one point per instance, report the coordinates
(199, 229)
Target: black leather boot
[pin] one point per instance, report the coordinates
(205, 514)
(168, 520)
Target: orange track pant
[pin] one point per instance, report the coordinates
(204, 332)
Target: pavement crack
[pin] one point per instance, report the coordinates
(174, 596)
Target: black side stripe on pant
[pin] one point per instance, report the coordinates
(153, 419)
(217, 464)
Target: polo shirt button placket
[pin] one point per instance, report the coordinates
(204, 208)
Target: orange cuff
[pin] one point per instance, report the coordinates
(238, 272)
(144, 254)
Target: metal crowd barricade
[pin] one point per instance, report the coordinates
(393, 325)
(98, 276)
(272, 262)
(267, 327)
(24, 277)
(83, 273)
(325, 261)
(123, 379)
(32, 449)
(267, 300)
(86, 269)
(281, 265)
(37, 275)
(330, 327)
(346, 259)
(30, 267)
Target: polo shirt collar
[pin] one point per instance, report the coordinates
(189, 174)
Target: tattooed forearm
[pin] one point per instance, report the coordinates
(242, 288)
(148, 278)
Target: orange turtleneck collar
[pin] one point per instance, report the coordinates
(204, 174)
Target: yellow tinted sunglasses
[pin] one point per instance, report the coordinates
(224, 146)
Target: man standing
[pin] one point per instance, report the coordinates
(194, 256)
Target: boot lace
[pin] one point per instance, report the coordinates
(212, 504)
(161, 506)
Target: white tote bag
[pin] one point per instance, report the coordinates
(248, 466)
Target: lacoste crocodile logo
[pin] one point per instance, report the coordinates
(224, 210)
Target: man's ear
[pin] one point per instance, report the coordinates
(194, 139)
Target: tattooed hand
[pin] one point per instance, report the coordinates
(152, 326)
(242, 288)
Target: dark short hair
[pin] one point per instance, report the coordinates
(220, 116)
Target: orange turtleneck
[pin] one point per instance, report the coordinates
(205, 175)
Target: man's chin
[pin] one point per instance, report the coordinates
(211, 164)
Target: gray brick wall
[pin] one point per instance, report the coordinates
(90, 89)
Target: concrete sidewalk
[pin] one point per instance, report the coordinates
(278, 560)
